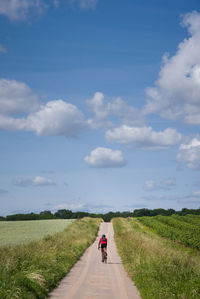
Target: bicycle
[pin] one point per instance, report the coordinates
(104, 258)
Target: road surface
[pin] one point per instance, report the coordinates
(92, 279)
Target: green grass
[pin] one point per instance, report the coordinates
(30, 271)
(18, 232)
(159, 269)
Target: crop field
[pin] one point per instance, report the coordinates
(161, 254)
(22, 232)
(181, 229)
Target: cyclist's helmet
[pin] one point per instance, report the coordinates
(103, 236)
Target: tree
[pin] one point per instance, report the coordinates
(64, 214)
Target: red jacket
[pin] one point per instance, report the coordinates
(103, 241)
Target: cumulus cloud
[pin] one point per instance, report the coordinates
(19, 9)
(85, 4)
(16, 97)
(105, 157)
(37, 181)
(2, 49)
(56, 118)
(53, 118)
(176, 94)
(189, 153)
(144, 137)
(105, 111)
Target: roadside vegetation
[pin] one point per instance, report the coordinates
(22, 232)
(160, 267)
(30, 271)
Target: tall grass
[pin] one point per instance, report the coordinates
(158, 269)
(31, 271)
(21, 232)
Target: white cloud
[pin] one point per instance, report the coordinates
(16, 97)
(53, 118)
(105, 157)
(176, 94)
(37, 181)
(41, 181)
(150, 185)
(19, 9)
(12, 124)
(85, 4)
(189, 153)
(2, 49)
(104, 111)
(144, 137)
(56, 118)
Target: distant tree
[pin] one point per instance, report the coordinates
(79, 214)
(46, 215)
(64, 214)
(171, 212)
(141, 212)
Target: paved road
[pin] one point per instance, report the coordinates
(92, 279)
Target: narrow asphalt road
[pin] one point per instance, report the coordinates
(91, 279)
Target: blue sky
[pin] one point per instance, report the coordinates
(99, 105)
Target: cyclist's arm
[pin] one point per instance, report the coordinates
(99, 244)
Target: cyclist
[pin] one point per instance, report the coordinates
(103, 242)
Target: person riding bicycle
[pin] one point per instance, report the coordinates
(103, 243)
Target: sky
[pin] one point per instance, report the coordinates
(99, 105)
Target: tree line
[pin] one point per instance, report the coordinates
(68, 214)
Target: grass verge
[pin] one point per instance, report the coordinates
(158, 270)
(31, 271)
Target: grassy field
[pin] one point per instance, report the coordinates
(30, 271)
(22, 232)
(161, 267)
